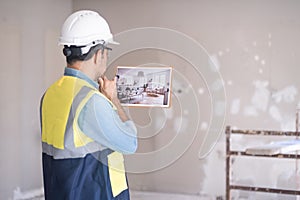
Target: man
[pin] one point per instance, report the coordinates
(85, 131)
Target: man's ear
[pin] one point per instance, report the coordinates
(98, 56)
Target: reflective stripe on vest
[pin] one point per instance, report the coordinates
(61, 106)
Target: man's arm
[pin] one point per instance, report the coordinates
(99, 121)
(109, 127)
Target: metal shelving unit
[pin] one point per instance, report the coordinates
(230, 154)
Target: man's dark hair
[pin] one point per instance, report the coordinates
(73, 53)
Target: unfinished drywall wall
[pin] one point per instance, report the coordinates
(10, 109)
(255, 47)
(27, 39)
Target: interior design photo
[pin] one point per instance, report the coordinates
(144, 86)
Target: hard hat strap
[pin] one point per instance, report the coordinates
(79, 51)
(72, 50)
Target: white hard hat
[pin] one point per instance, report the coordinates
(85, 28)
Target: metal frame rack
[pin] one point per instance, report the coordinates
(230, 153)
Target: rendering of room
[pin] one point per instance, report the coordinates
(144, 86)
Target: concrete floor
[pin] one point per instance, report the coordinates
(135, 195)
(139, 195)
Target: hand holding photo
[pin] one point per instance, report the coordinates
(144, 86)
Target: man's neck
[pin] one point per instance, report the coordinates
(83, 68)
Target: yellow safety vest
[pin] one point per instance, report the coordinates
(62, 137)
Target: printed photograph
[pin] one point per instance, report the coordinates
(144, 86)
